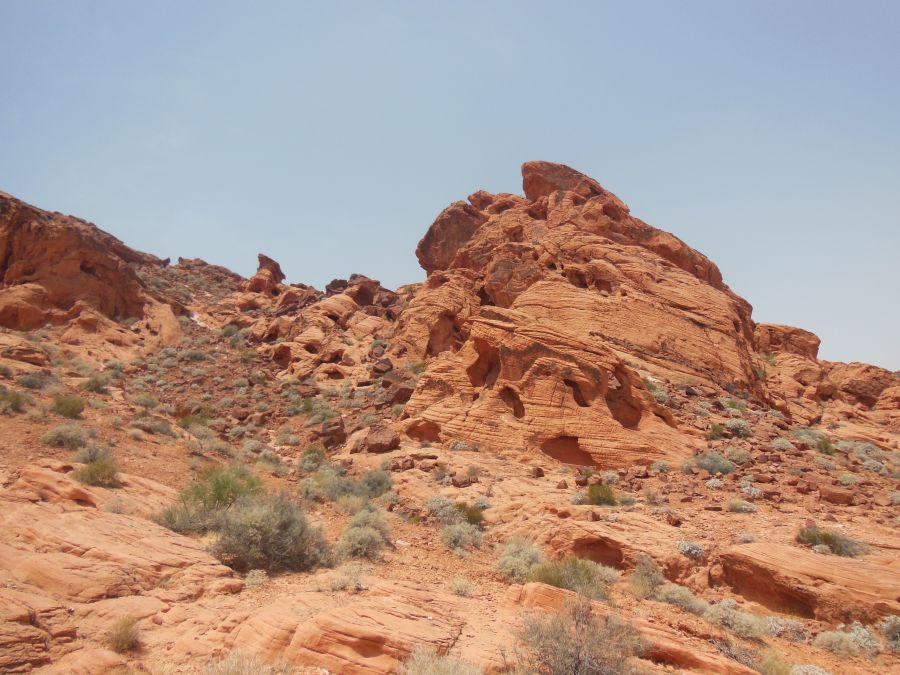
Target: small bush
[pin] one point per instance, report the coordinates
(645, 578)
(837, 543)
(890, 628)
(740, 506)
(742, 624)
(691, 549)
(68, 405)
(738, 428)
(312, 459)
(461, 536)
(585, 577)
(242, 664)
(152, 425)
(682, 597)
(462, 587)
(472, 514)
(12, 401)
(97, 383)
(256, 578)
(738, 455)
(360, 542)
(444, 510)
(601, 494)
(714, 463)
(577, 642)
(35, 380)
(222, 486)
(424, 662)
(270, 533)
(68, 436)
(517, 559)
(856, 641)
(123, 635)
(782, 444)
(100, 471)
(716, 432)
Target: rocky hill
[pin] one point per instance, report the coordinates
(570, 441)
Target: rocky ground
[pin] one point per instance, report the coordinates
(567, 383)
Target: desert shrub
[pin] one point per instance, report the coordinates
(714, 462)
(243, 664)
(443, 510)
(855, 641)
(738, 455)
(782, 444)
(222, 486)
(890, 628)
(517, 559)
(152, 425)
(837, 543)
(742, 624)
(375, 483)
(745, 538)
(360, 542)
(351, 504)
(601, 494)
(97, 383)
(256, 578)
(194, 355)
(35, 380)
(714, 484)
(848, 479)
(740, 506)
(272, 534)
(68, 436)
(123, 635)
(472, 514)
(145, 401)
(577, 642)
(738, 428)
(462, 587)
(203, 502)
(350, 577)
(691, 549)
(660, 466)
(424, 662)
(730, 403)
(645, 578)
(585, 577)
(12, 401)
(716, 432)
(311, 459)
(461, 536)
(68, 405)
(682, 597)
(99, 467)
(789, 629)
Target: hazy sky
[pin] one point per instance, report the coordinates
(329, 135)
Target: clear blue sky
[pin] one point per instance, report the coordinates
(329, 135)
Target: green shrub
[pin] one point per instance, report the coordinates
(101, 472)
(222, 486)
(713, 462)
(68, 405)
(269, 533)
(444, 510)
(837, 543)
(311, 459)
(645, 578)
(68, 436)
(152, 425)
(517, 559)
(577, 642)
(123, 635)
(461, 536)
(601, 494)
(716, 432)
(585, 577)
(361, 542)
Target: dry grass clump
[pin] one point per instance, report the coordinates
(123, 636)
(424, 662)
(645, 578)
(69, 436)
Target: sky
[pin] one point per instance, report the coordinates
(329, 135)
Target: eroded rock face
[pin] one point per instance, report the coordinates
(49, 263)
